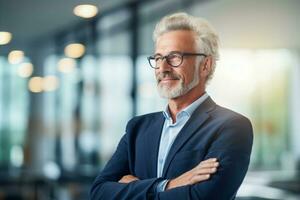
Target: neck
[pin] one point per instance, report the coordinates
(178, 104)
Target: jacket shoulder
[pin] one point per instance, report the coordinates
(143, 119)
(226, 114)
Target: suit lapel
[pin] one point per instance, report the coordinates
(199, 116)
(153, 140)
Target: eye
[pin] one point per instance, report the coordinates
(174, 57)
(157, 58)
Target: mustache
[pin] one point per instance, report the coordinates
(163, 75)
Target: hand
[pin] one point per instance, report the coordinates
(200, 173)
(128, 178)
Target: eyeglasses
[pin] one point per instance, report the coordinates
(174, 58)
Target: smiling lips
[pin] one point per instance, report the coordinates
(167, 77)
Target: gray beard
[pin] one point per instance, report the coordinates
(178, 90)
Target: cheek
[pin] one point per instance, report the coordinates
(182, 76)
(187, 76)
(156, 72)
(194, 72)
(189, 71)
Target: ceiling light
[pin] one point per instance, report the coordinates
(66, 65)
(50, 83)
(35, 84)
(25, 70)
(15, 57)
(75, 50)
(5, 37)
(85, 11)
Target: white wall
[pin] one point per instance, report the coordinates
(255, 23)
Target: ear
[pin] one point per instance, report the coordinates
(206, 66)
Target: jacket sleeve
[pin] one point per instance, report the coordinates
(106, 185)
(232, 146)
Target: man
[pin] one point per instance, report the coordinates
(195, 149)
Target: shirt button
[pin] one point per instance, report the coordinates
(161, 160)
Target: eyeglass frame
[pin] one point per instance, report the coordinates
(182, 54)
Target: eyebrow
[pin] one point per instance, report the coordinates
(159, 54)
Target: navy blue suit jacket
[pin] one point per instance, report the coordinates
(211, 132)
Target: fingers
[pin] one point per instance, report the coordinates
(208, 165)
(201, 174)
(199, 178)
(206, 171)
(128, 178)
(210, 160)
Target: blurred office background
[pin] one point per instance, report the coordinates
(69, 84)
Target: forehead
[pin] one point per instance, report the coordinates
(179, 40)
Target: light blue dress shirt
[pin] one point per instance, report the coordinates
(169, 133)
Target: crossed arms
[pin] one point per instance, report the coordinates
(198, 174)
(232, 150)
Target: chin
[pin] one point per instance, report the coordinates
(171, 93)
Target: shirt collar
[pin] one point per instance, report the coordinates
(189, 109)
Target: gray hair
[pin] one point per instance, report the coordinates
(207, 40)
